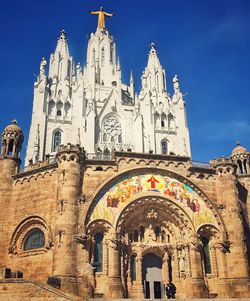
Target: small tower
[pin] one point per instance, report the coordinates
(241, 158)
(12, 140)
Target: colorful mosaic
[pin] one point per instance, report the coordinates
(122, 193)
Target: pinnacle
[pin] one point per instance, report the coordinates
(63, 35)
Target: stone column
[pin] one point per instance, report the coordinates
(85, 271)
(198, 287)
(165, 268)
(70, 161)
(137, 289)
(114, 288)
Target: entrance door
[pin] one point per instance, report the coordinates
(152, 276)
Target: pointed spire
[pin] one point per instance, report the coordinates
(62, 44)
(118, 64)
(153, 59)
(131, 77)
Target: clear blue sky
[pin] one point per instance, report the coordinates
(207, 43)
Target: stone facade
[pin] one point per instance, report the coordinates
(141, 205)
(123, 225)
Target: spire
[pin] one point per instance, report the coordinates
(131, 77)
(131, 85)
(118, 63)
(62, 44)
(153, 59)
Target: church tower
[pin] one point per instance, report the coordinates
(92, 107)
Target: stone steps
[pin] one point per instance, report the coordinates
(28, 290)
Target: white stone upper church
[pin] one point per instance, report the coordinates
(90, 106)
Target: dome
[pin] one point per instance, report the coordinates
(12, 140)
(239, 150)
(13, 128)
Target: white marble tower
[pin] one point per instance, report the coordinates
(91, 106)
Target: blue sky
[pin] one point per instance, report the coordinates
(207, 43)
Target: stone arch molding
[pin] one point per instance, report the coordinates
(118, 193)
(16, 246)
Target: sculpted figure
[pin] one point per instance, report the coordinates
(150, 235)
(101, 17)
(42, 66)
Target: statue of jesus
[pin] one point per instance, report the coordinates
(101, 17)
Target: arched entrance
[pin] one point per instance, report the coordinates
(152, 276)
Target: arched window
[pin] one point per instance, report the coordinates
(133, 268)
(102, 56)
(10, 148)
(206, 255)
(104, 137)
(245, 165)
(164, 147)
(120, 139)
(240, 166)
(56, 141)
(34, 240)
(98, 251)
(142, 233)
(59, 113)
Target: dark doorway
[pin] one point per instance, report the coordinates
(152, 276)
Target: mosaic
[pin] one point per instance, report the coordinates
(122, 193)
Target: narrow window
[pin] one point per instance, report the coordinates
(34, 240)
(111, 53)
(102, 57)
(136, 236)
(120, 139)
(240, 166)
(93, 56)
(104, 137)
(56, 141)
(245, 166)
(164, 147)
(206, 255)
(10, 149)
(98, 252)
(142, 233)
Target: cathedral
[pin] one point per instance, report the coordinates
(110, 203)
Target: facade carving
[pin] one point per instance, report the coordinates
(136, 214)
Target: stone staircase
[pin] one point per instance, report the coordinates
(28, 290)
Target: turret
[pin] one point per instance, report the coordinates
(70, 160)
(12, 140)
(241, 158)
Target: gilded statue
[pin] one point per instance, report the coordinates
(101, 17)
